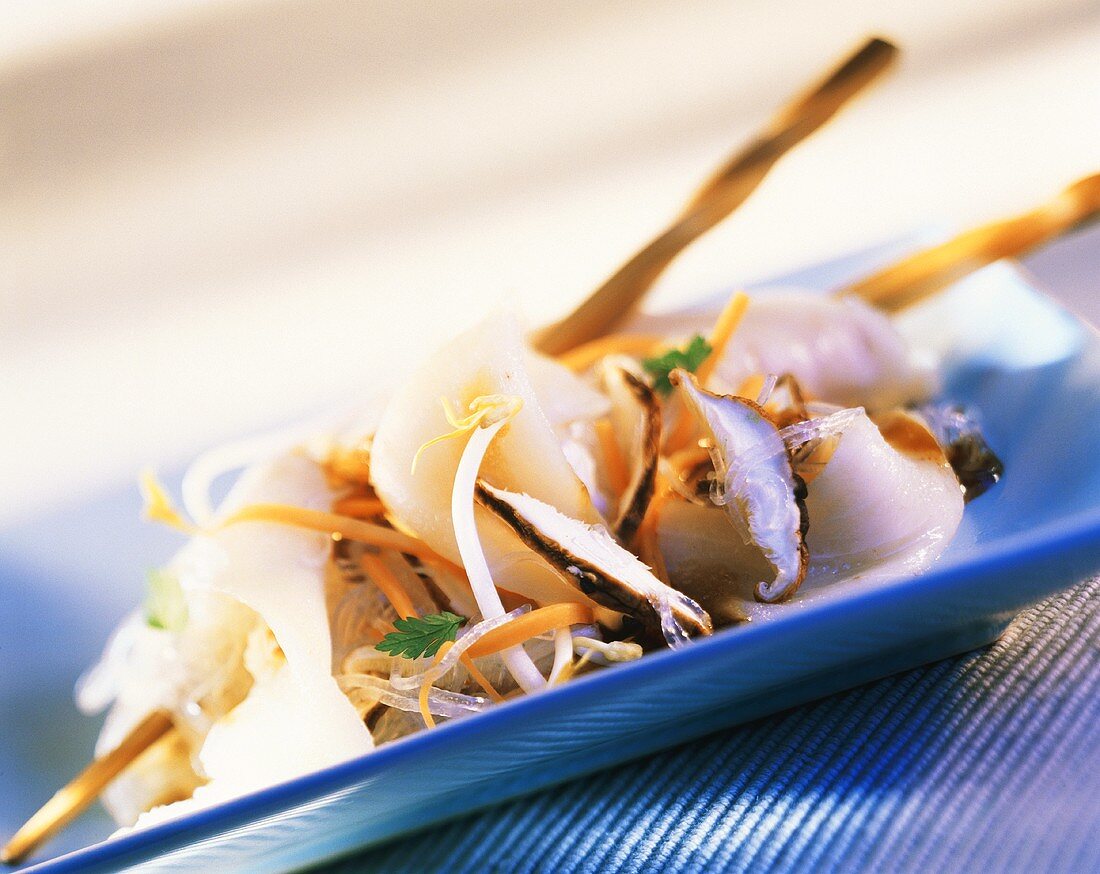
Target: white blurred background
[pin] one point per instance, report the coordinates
(219, 214)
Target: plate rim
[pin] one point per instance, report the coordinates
(1078, 534)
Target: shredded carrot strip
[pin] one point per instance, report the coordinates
(529, 625)
(720, 335)
(390, 586)
(480, 678)
(360, 508)
(724, 328)
(373, 635)
(617, 474)
(332, 523)
(587, 354)
(426, 686)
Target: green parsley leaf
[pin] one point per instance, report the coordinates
(689, 358)
(165, 606)
(418, 636)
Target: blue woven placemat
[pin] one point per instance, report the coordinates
(987, 762)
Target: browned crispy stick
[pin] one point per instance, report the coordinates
(72, 799)
(914, 278)
(727, 189)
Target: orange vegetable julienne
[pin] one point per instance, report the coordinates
(480, 678)
(426, 686)
(719, 339)
(529, 625)
(333, 523)
(388, 583)
(159, 507)
(724, 328)
(617, 474)
(584, 356)
(360, 508)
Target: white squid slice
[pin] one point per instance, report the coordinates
(527, 456)
(236, 579)
(840, 351)
(886, 498)
(884, 506)
(279, 572)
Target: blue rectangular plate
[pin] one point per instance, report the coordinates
(1029, 367)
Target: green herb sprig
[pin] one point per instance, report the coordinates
(689, 358)
(418, 636)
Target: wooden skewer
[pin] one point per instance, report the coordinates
(727, 189)
(916, 277)
(72, 799)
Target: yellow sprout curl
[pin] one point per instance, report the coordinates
(485, 410)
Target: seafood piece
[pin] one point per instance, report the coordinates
(563, 397)
(589, 557)
(236, 581)
(490, 360)
(883, 502)
(886, 496)
(756, 483)
(840, 350)
(278, 572)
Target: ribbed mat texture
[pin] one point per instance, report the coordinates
(984, 763)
